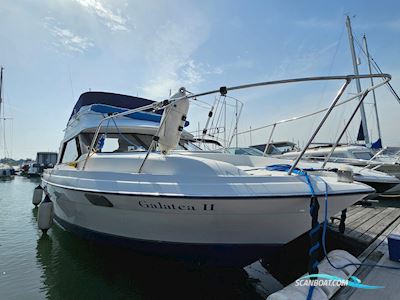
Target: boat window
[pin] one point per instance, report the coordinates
(110, 145)
(180, 147)
(244, 151)
(70, 152)
(339, 155)
(362, 155)
(187, 145)
(230, 150)
(274, 150)
(254, 152)
(116, 142)
(315, 155)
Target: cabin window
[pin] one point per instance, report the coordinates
(70, 152)
(115, 142)
(363, 155)
(339, 155)
(110, 145)
(315, 156)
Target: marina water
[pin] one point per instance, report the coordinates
(60, 265)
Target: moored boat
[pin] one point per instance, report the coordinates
(159, 201)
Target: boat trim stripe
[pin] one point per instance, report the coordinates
(201, 197)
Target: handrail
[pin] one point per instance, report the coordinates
(223, 90)
(362, 95)
(154, 106)
(313, 113)
(348, 78)
(293, 80)
(345, 128)
(339, 94)
(377, 154)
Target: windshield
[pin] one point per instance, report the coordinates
(245, 151)
(275, 150)
(115, 142)
(362, 155)
(128, 142)
(187, 145)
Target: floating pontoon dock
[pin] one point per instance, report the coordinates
(372, 226)
(365, 237)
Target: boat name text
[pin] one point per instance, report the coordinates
(172, 206)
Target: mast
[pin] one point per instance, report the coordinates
(2, 116)
(358, 84)
(1, 104)
(1, 87)
(373, 91)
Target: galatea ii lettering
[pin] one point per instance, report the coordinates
(174, 206)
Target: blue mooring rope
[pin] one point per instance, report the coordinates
(314, 229)
(314, 232)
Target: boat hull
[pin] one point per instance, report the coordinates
(381, 187)
(218, 231)
(223, 255)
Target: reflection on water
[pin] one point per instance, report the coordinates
(100, 271)
(60, 265)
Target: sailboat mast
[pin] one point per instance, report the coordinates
(373, 91)
(2, 118)
(358, 84)
(1, 88)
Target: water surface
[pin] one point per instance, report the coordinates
(60, 265)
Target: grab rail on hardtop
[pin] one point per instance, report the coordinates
(223, 91)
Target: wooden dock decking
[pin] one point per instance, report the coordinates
(365, 237)
(371, 226)
(365, 224)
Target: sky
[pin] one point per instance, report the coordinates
(54, 50)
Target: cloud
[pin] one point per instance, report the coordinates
(169, 57)
(66, 39)
(112, 20)
(304, 61)
(193, 72)
(187, 74)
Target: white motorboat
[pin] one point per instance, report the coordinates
(251, 159)
(170, 203)
(6, 172)
(354, 155)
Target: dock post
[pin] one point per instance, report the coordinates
(342, 225)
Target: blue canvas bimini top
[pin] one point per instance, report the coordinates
(106, 103)
(116, 100)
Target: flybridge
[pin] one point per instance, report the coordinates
(111, 99)
(145, 116)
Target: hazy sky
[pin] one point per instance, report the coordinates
(53, 50)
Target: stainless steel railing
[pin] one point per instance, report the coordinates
(223, 90)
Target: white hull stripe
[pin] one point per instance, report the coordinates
(201, 197)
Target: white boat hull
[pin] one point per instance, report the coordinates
(226, 231)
